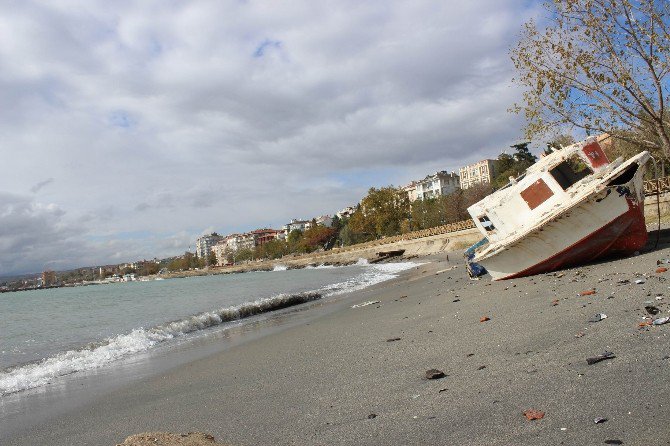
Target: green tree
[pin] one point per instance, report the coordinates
(211, 258)
(513, 165)
(381, 212)
(272, 249)
(243, 255)
(428, 213)
(294, 237)
(598, 65)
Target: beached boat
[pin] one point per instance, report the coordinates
(571, 207)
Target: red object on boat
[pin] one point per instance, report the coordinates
(595, 154)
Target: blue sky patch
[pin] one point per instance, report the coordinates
(121, 118)
(265, 45)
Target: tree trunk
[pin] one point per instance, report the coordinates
(665, 139)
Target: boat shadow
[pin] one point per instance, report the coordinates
(658, 240)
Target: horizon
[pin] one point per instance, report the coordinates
(132, 129)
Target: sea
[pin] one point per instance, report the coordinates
(49, 334)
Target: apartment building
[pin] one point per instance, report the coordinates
(480, 172)
(439, 183)
(410, 189)
(296, 225)
(204, 244)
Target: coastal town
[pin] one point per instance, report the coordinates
(214, 250)
(438, 199)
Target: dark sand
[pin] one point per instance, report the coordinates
(320, 383)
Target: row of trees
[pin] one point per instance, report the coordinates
(387, 212)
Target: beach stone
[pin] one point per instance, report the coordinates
(434, 374)
(532, 414)
(170, 439)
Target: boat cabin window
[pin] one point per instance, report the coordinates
(570, 171)
(486, 223)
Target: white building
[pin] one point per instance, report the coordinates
(439, 183)
(481, 172)
(410, 189)
(296, 225)
(221, 251)
(325, 220)
(204, 244)
(345, 213)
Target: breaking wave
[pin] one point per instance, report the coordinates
(95, 355)
(280, 268)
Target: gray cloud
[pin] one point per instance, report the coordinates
(37, 187)
(162, 120)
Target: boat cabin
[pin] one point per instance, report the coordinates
(548, 185)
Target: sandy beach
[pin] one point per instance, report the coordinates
(351, 376)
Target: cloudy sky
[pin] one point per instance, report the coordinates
(129, 128)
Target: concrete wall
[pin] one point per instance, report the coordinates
(650, 209)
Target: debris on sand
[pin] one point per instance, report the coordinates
(365, 304)
(372, 416)
(435, 374)
(170, 439)
(484, 319)
(587, 292)
(554, 302)
(661, 321)
(599, 420)
(661, 269)
(392, 339)
(602, 357)
(640, 281)
(652, 309)
(598, 317)
(532, 414)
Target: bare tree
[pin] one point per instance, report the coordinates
(599, 65)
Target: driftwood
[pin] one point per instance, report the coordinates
(383, 255)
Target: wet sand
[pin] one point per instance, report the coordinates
(336, 380)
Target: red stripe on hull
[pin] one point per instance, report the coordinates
(622, 236)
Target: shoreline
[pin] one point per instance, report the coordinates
(196, 345)
(321, 381)
(280, 291)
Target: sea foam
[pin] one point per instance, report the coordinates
(96, 355)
